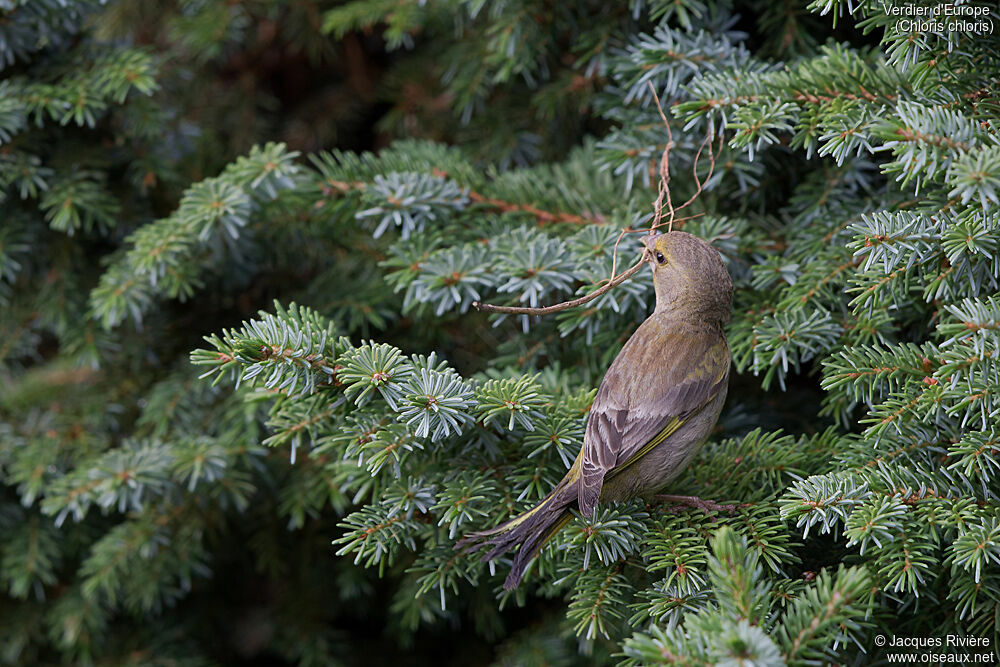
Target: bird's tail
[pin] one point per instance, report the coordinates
(531, 530)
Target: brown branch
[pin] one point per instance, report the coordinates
(908, 134)
(700, 503)
(544, 217)
(565, 305)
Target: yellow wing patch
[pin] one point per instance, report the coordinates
(571, 476)
(671, 426)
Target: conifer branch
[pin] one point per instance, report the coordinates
(663, 200)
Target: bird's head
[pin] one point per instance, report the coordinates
(688, 276)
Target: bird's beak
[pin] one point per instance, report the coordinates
(649, 244)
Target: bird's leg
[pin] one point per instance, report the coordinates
(698, 503)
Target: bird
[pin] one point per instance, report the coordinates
(656, 405)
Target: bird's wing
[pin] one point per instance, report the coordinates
(666, 372)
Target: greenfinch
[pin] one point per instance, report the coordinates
(658, 401)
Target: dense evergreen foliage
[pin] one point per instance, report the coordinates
(247, 407)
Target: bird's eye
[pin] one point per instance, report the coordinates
(660, 259)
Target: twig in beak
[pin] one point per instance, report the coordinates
(663, 208)
(565, 305)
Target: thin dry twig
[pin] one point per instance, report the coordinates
(519, 310)
(663, 200)
(664, 187)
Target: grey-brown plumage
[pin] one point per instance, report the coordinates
(658, 401)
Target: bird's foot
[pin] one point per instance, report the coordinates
(698, 503)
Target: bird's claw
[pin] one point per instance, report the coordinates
(699, 503)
